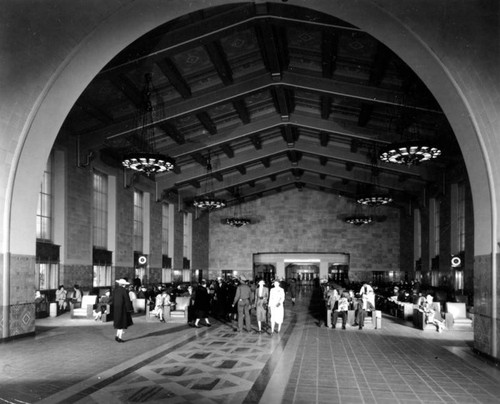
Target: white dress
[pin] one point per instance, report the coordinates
(277, 295)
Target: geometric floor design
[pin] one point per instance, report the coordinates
(216, 368)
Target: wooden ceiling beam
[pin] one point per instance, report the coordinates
(329, 50)
(242, 110)
(175, 78)
(207, 122)
(228, 150)
(247, 87)
(219, 60)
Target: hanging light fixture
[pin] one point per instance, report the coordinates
(373, 196)
(412, 149)
(147, 160)
(409, 153)
(358, 220)
(208, 200)
(358, 216)
(237, 220)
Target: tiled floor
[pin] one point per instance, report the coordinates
(78, 361)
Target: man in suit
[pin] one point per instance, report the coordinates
(242, 299)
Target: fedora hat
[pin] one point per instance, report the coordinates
(122, 282)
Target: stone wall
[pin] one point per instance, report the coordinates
(307, 221)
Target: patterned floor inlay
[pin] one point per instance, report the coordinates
(219, 367)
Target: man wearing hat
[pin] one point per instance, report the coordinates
(261, 298)
(242, 299)
(122, 309)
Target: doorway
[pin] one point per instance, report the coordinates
(267, 272)
(304, 273)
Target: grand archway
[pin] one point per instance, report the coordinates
(112, 30)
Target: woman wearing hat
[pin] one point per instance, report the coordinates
(276, 300)
(122, 309)
(260, 302)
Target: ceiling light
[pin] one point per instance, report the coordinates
(372, 195)
(207, 200)
(237, 220)
(374, 200)
(409, 153)
(358, 220)
(147, 160)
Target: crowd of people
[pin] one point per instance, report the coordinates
(239, 302)
(234, 301)
(339, 301)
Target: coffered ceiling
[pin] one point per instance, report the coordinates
(279, 98)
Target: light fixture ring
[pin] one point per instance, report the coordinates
(409, 153)
(358, 220)
(374, 200)
(148, 163)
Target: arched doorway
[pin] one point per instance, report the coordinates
(48, 112)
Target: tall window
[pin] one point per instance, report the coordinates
(165, 225)
(188, 239)
(48, 273)
(138, 220)
(102, 275)
(417, 223)
(461, 216)
(44, 209)
(100, 210)
(166, 241)
(437, 226)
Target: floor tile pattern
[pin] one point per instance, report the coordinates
(219, 367)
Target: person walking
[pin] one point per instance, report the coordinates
(201, 304)
(261, 299)
(242, 299)
(122, 309)
(293, 290)
(276, 300)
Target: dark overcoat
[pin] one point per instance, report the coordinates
(201, 302)
(122, 309)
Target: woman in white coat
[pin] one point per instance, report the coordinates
(276, 300)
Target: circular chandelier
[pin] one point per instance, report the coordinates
(358, 220)
(147, 160)
(409, 153)
(237, 221)
(148, 163)
(209, 202)
(374, 200)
